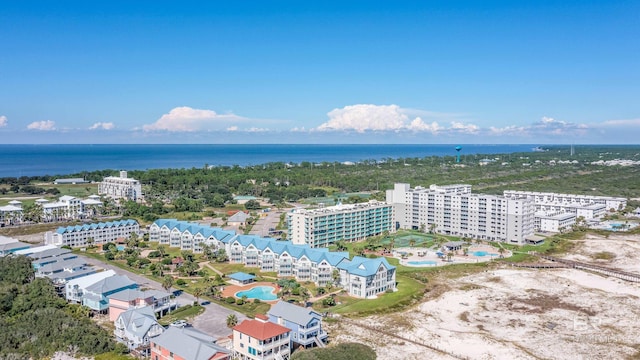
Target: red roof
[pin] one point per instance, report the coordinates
(260, 330)
(262, 316)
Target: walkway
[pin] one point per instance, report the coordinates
(627, 276)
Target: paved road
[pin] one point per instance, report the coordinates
(213, 321)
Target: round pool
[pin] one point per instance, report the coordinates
(422, 263)
(266, 293)
(483, 253)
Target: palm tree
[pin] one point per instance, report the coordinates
(432, 228)
(198, 292)
(167, 282)
(232, 320)
(412, 242)
(449, 256)
(501, 251)
(465, 251)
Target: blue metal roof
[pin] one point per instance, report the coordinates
(92, 226)
(363, 266)
(240, 276)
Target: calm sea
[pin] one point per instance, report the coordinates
(34, 160)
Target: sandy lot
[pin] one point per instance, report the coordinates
(512, 313)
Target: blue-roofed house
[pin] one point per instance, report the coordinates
(305, 324)
(367, 278)
(96, 296)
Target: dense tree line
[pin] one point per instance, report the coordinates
(35, 322)
(195, 188)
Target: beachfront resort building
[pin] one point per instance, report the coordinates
(366, 278)
(454, 210)
(121, 187)
(261, 339)
(11, 214)
(554, 223)
(324, 226)
(96, 233)
(282, 257)
(587, 207)
(569, 201)
(69, 208)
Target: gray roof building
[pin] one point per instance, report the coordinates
(189, 344)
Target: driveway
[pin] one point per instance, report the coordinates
(212, 322)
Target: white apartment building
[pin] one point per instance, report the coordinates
(69, 208)
(554, 222)
(569, 200)
(282, 257)
(10, 215)
(121, 187)
(101, 233)
(454, 210)
(324, 226)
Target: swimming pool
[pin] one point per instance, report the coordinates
(483, 253)
(120, 247)
(422, 262)
(266, 293)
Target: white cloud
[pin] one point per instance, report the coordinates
(3, 121)
(625, 122)
(45, 125)
(232, 128)
(464, 128)
(257, 129)
(369, 117)
(545, 126)
(102, 126)
(418, 124)
(364, 117)
(185, 118)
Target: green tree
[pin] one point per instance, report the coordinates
(167, 282)
(232, 320)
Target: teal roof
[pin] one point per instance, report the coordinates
(278, 247)
(93, 226)
(240, 276)
(363, 266)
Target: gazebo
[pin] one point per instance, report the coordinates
(241, 278)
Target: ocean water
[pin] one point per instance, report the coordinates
(37, 160)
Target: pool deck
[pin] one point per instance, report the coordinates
(458, 258)
(231, 290)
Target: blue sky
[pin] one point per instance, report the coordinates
(335, 72)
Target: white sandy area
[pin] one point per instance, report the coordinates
(625, 247)
(512, 313)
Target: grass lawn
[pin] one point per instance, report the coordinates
(409, 290)
(33, 229)
(249, 308)
(113, 356)
(227, 268)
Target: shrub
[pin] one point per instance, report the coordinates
(256, 301)
(239, 302)
(180, 282)
(230, 300)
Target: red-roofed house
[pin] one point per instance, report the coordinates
(261, 340)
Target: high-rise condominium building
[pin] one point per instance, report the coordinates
(324, 226)
(121, 187)
(454, 210)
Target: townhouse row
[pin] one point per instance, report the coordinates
(361, 277)
(92, 234)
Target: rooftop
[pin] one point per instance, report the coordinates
(260, 330)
